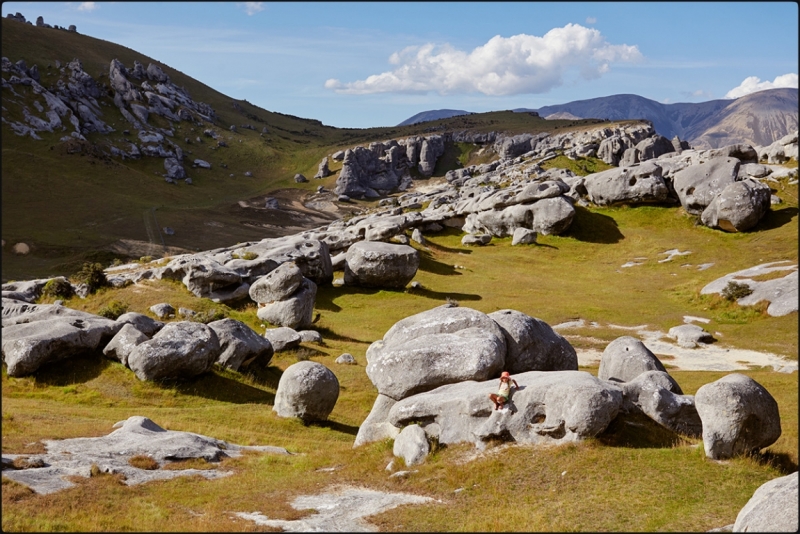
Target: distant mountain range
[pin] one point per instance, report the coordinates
(757, 119)
(434, 114)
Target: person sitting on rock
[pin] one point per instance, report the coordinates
(500, 399)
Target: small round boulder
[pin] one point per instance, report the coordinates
(307, 390)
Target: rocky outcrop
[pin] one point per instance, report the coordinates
(780, 292)
(179, 350)
(377, 264)
(772, 508)
(239, 344)
(738, 207)
(532, 345)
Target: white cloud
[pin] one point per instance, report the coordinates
(591, 20)
(251, 8)
(87, 6)
(521, 64)
(752, 84)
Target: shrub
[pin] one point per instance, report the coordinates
(245, 256)
(113, 310)
(209, 316)
(93, 275)
(145, 259)
(736, 291)
(57, 288)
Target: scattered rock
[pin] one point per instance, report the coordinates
(346, 359)
(307, 390)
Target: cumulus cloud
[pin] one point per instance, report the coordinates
(752, 84)
(87, 6)
(251, 8)
(520, 64)
(591, 20)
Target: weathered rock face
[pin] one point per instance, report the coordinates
(653, 147)
(142, 322)
(323, 171)
(432, 148)
(698, 185)
(532, 345)
(377, 264)
(738, 207)
(278, 284)
(179, 350)
(549, 407)
(781, 293)
(772, 508)
(282, 338)
(690, 335)
(121, 345)
(312, 256)
(307, 390)
(47, 333)
(625, 358)
(376, 426)
(440, 346)
(638, 184)
(739, 416)
(657, 395)
(295, 311)
(411, 445)
(239, 344)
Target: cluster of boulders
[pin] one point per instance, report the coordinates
(285, 297)
(40, 23)
(434, 372)
(38, 334)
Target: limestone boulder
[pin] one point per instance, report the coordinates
(625, 358)
(377, 264)
(295, 311)
(772, 508)
(739, 416)
(657, 395)
(476, 239)
(144, 324)
(698, 185)
(411, 445)
(738, 207)
(163, 310)
(277, 284)
(689, 336)
(204, 276)
(282, 338)
(549, 407)
(239, 344)
(523, 236)
(307, 390)
(179, 350)
(532, 345)
(638, 184)
(653, 147)
(440, 346)
(376, 426)
(121, 345)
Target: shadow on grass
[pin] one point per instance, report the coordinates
(779, 460)
(438, 295)
(594, 227)
(776, 218)
(639, 432)
(75, 370)
(338, 427)
(327, 333)
(430, 265)
(215, 386)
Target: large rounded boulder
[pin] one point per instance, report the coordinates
(307, 390)
(278, 284)
(441, 346)
(772, 508)
(738, 207)
(697, 185)
(739, 416)
(179, 350)
(532, 345)
(625, 358)
(296, 311)
(239, 344)
(378, 264)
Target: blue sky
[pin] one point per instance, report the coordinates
(363, 64)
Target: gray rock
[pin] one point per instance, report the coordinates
(637, 184)
(143, 323)
(476, 239)
(300, 179)
(739, 416)
(653, 147)
(384, 265)
(179, 350)
(186, 313)
(417, 236)
(549, 407)
(743, 152)
(532, 345)
(657, 395)
(51, 333)
(121, 345)
(523, 236)
(307, 390)
(310, 336)
(202, 164)
(738, 207)
(781, 293)
(346, 359)
(625, 358)
(323, 171)
(295, 311)
(439, 346)
(376, 426)
(278, 284)
(282, 338)
(338, 156)
(690, 335)
(205, 277)
(772, 508)
(411, 445)
(698, 185)
(239, 344)
(174, 169)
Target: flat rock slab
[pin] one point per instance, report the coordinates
(781, 293)
(136, 435)
(339, 510)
